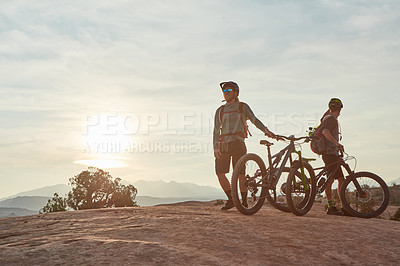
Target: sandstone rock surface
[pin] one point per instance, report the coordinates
(196, 233)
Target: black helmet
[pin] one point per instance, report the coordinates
(335, 104)
(229, 84)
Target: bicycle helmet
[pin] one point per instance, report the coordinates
(335, 104)
(229, 84)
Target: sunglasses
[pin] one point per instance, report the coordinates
(225, 90)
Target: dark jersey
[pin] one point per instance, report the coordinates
(331, 124)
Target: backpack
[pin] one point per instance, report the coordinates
(240, 110)
(317, 143)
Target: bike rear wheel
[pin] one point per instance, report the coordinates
(300, 194)
(248, 178)
(369, 200)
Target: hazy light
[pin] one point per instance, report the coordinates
(102, 163)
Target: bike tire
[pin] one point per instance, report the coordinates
(375, 197)
(251, 163)
(300, 200)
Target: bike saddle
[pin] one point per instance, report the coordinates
(266, 143)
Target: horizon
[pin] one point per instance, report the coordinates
(132, 87)
(167, 182)
(390, 182)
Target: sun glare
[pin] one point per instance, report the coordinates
(105, 137)
(107, 134)
(102, 164)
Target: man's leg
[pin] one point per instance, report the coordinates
(343, 210)
(240, 150)
(221, 168)
(330, 160)
(328, 193)
(340, 180)
(243, 189)
(331, 208)
(224, 182)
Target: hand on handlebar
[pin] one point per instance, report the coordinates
(292, 138)
(270, 134)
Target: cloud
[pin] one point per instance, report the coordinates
(64, 62)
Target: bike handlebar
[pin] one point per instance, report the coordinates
(292, 138)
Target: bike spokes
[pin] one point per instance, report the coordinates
(248, 184)
(252, 184)
(366, 195)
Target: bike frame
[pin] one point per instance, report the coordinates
(287, 152)
(324, 171)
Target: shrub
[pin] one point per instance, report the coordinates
(56, 204)
(396, 216)
(95, 188)
(219, 202)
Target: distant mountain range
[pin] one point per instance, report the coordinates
(150, 193)
(48, 191)
(160, 189)
(12, 212)
(176, 190)
(33, 203)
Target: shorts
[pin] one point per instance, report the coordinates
(330, 159)
(234, 150)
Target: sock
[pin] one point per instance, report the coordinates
(228, 194)
(330, 203)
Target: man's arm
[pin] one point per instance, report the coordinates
(330, 124)
(216, 135)
(250, 116)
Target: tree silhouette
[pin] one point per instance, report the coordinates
(123, 196)
(56, 204)
(95, 188)
(394, 195)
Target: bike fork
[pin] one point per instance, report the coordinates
(354, 180)
(303, 175)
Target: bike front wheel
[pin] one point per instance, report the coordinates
(301, 188)
(276, 195)
(248, 184)
(364, 195)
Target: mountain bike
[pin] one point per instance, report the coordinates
(363, 194)
(252, 182)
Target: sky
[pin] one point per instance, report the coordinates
(132, 86)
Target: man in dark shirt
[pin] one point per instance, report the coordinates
(230, 130)
(332, 147)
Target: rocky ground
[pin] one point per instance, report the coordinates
(196, 233)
